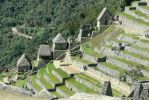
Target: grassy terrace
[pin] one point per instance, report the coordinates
(130, 63)
(141, 48)
(58, 70)
(43, 80)
(53, 78)
(82, 60)
(66, 90)
(145, 7)
(34, 83)
(136, 55)
(139, 13)
(89, 79)
(90, 51)
(80, 86)
(20, 83)
(114, 67)
(133, 18)
(55, 94)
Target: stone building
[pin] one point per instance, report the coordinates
(85, 33)
(140, 91)
(44, 55)
(73, 45)
(107, 90)
(24, 64)
(59, 47)
(103, 19)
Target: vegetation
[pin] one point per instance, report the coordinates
(43, 19)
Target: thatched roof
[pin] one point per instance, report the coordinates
(102, 13)
(44, 50)
(23, 61)
(59, 39)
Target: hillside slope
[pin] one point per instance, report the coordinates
(42, 19)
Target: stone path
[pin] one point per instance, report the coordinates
(15, 31)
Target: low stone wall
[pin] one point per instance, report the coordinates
(72, 87)
(145, 11)
(133, 41)
(89, 58)
(57, 75)
(40, 84)
(135, 15)
(62, 93)
(13, 89)
(133, 25)
(88, 84)
(108, 70)
(137, 51)
(120, 64)
(49, 80)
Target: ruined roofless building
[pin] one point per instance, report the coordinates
(103, 18)
(59, 47)
(85, 33)
(140, 91)
(44, 55)
(107, 90)
(24, 64)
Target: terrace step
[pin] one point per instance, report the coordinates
(137, 14)
(78, 87)
(64, 91)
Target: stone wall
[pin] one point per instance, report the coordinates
(115, 82)
(88, 84)
(13, 89)
(135, 15)
(61, 92)
(145, 11)
(137, 51)
(108, 70)
(120, 64)
(72, 87)
(133, 25)
(89, 58)
(57, 75)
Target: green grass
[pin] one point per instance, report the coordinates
(20, 83)
(145, 7)
(133, 64)
(114, 67)
(141, 48)
(116, 93)
(136, 55)
(80, 86)
(89, 79)
(53, 78)
(34, 83)
(55, 94)
(139, 13)
(143, 78)
(66, 90)
(90, 51)
(62, 73)
(82, 60)
(133, 18)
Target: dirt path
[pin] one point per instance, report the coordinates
(16, 32)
